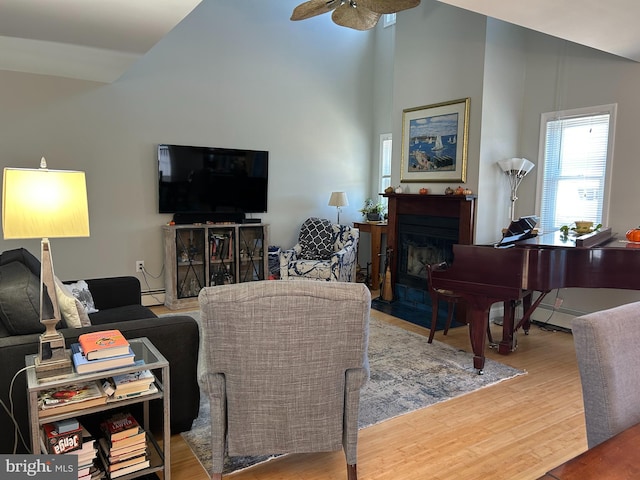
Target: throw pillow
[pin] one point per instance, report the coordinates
(21, 255)
(316, 239)
(80, 290)
(68, 306)
(20, 299)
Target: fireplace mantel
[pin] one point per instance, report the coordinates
(461, 207)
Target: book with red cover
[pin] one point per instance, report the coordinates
(119, 426)
(103, 344)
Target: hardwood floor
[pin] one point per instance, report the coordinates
(518, 429)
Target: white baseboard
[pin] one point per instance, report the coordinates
(151, 298)
(560, 317)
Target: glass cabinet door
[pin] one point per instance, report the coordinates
(190, 262)
(251, 250)
(222, 270)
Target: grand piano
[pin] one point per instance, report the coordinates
(483, 275)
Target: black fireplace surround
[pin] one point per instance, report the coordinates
(423, 239)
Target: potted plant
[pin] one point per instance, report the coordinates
(372, 211)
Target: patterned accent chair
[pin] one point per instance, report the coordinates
(284, 363)
(324, 251)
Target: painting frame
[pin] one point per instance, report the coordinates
(432, 149)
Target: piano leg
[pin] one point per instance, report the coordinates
(526, 307)
(478, 316)
(509, 341)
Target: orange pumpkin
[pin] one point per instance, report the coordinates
(634, 235)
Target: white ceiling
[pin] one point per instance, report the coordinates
(99, 39)
(87, 39)
(607, 25)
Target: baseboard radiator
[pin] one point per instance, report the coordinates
(151, 298)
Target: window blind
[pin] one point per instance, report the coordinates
(575, 165)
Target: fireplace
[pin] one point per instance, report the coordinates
(422, 240)
(423, 229)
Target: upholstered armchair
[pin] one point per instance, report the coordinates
(324, 251)
(606, 345)
(284, 364)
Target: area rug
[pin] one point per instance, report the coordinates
(407, 374)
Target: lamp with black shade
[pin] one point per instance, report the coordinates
(43, 203)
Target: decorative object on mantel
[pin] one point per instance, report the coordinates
(448, 191)
(515, 169)
(398, 189)
(423, 191)
(359, 15)
(389, 190)
(372, 211)
(434, 142)
(338, 199)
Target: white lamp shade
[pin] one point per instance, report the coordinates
(338, 199)
(42, 203)
(516, 166)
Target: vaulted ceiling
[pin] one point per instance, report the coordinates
(610, 26)
(99, 39)
(87, 39)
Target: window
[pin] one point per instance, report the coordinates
(576, 154)
(389, 19)
(385, 163)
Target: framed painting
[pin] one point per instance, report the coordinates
(434, 142)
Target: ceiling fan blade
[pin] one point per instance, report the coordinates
(357, 18)
(388, 6)
(312, 8)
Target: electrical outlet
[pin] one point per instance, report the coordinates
(139, 265)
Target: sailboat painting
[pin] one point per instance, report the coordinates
(434, 143)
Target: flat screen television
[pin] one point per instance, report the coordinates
(197, 180)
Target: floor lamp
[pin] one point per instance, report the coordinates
(43, 203)
(338, 199)
(515, 169)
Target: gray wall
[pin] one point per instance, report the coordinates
(232, 74)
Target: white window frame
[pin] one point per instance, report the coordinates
(610, 109)
(384, 178)
(389, 19)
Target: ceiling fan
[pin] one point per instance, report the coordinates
(356, 14)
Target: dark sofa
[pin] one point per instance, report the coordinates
(118, 301)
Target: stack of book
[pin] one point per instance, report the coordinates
(130, 385)
(69, 437)
(123, 449)
(103, 350)
(86, 458)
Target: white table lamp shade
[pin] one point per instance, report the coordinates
(338, 199)
(41, 203)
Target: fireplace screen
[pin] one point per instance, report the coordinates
(423, 240)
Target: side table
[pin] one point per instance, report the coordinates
(375, 230)
(159, 455)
